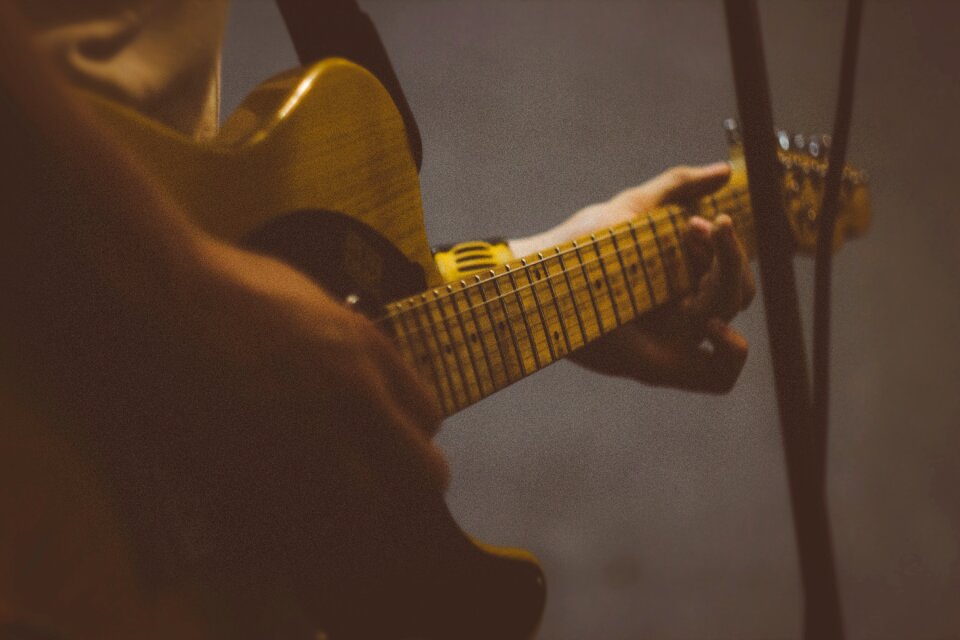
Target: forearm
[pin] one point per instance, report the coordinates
(584, 222)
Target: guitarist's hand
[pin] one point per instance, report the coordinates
(689, 344)
(243, 418)
(305, 363)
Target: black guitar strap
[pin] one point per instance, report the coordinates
(325, 28)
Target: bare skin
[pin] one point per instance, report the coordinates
(284, 397)
(688, 345)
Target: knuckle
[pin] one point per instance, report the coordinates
(680, 174)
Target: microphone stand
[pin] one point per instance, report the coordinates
(803, 438)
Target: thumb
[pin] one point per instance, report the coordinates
(683, 183)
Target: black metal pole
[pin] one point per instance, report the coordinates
(821, 614)
(828, 219)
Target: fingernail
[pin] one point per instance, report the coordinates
(700, 224)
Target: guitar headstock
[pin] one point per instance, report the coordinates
(803, 159)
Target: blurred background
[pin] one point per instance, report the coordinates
(662, 514)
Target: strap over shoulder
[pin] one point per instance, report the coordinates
(326, 28)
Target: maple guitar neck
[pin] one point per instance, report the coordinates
(474, 337)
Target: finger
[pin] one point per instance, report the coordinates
(683, 183)
(699, 245)
(737, 286)
(720, 290)
(713, 370)
(401, 451)
(730, 350)
(749, 285)
(410, 391)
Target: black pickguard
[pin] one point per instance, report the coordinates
(347, 258)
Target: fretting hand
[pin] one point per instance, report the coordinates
(686, 344)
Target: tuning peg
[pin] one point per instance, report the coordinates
(784, 139)
(800, 142)
(818, 146)
(732, 128)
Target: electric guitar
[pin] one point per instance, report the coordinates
(314, 168)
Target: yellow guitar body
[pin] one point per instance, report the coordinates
(315, 169)
(318, 158)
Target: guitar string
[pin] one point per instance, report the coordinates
(449, 291)
(474, 382)
(459, 312)
(651, 246)
(664, 213)
(471, 381)
(534, 343)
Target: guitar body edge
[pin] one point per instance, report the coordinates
(314, 168)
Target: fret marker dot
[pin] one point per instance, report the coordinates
(598, 284)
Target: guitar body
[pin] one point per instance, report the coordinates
(314, 168)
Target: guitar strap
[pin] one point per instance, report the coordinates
(326, 28)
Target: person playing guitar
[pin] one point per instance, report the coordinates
(140, 351)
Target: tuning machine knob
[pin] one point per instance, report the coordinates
(800, 142)
(732, 129)
(784, 139)
(819, 146)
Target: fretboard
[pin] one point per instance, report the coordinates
(474, 337)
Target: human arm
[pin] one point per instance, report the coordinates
(229, 368)
(687, 344)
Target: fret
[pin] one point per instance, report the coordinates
(467, 338)
(584, 338)
(643, 264)
(589, 287)
(441, 350)
(477, 337)
(450, 348)
(611, 293)
(663, 261)
(398, 324)
(509, 324)
(427, 358)
(657, 268)
(473, 369)
(623, 271)
(683, 279)
(445, 392)
(504, 361)
(523, 316)
(601, 292)
(548, 278)
(539, 307)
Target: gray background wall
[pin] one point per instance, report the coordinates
(662, 514)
